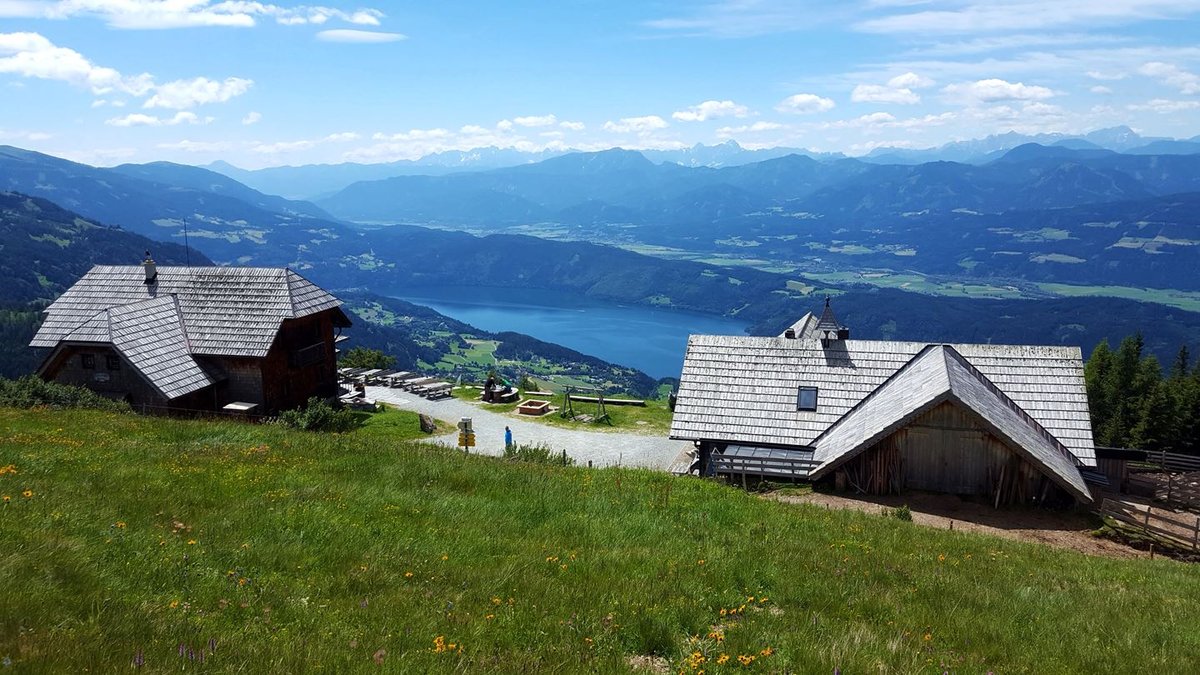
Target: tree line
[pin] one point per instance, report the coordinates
(1134, 404)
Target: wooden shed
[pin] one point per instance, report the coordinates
(194, 338)
(1005, 422)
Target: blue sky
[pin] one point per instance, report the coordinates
(260, 84)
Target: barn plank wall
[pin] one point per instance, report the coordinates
(947, 450)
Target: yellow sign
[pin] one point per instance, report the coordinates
(466, 440)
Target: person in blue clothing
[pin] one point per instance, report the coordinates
(507, 438)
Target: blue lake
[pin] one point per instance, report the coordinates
(649, 339)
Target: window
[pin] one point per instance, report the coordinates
(88, 361)
(806, 398)
(113, 362)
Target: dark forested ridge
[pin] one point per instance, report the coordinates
(45, 248)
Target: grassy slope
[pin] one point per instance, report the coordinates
(303, 545)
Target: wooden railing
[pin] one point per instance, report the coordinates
(1173, 461)
(767, 467)
(1176, 529)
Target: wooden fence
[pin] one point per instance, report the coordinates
(1174, 528)
(793, 468)
(1170, 461)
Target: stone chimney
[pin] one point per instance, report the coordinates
(151, 270)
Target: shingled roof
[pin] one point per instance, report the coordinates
(739, 389)
(186, 312)
(939, 374)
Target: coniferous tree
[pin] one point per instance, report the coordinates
(1097, 372)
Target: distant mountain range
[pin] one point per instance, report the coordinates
(978, 219)
(319, 181)
(1038, 212)
(172, 202)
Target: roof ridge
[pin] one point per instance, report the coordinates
(874, 392)
(1012, 405)
(287, 280)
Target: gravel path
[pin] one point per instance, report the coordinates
(600, 448)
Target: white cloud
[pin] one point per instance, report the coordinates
(910, 80)
(803, 104)
(876, 121)
(1100, 89)
(638, 125)
(160, 14)
(874, 93)
(141, 120)
(711, 110)
(342, 137)
(761, 125)
(1098, 75)
(284, 147)
(197, 146)
(359, 36)
(474, 130)
(252, 117)
(32, 55)
(573, 126)
(1163, 106)
(980, 16)
(994, 90)
(536, 121)
(1172, 75)
(504, 125)
(413, 135)
(12, 135)
(183, 94)
(899, 90)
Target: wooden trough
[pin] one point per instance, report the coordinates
(533, 407)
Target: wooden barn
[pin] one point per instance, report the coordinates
(1004, 422)
(246, 339)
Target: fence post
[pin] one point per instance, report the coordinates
(1148, 507)
(1170, 481)
(1196, 535)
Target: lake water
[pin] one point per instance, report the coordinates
(649, 339)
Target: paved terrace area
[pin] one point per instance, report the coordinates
(602, 448)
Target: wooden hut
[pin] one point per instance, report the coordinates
(248, 339)
(1009, 423)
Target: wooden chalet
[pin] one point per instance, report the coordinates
(246, 339)
(1006, 422)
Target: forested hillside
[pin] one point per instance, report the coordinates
(45, 248)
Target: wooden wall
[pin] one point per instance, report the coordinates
(123, 382)
(947, 450)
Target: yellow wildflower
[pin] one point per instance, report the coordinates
(27, 493)
(767, 651)
(7, 499)
(120, 524)
(928, 637)
(745, 660)
(724, 611)
(408, 575)
(489, 617)
(722, 659)
(496, 601)
(191, 542)
(174, 604)
(700, 561)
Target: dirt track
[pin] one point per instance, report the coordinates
(1060, 529)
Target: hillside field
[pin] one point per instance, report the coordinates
(130, 543)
